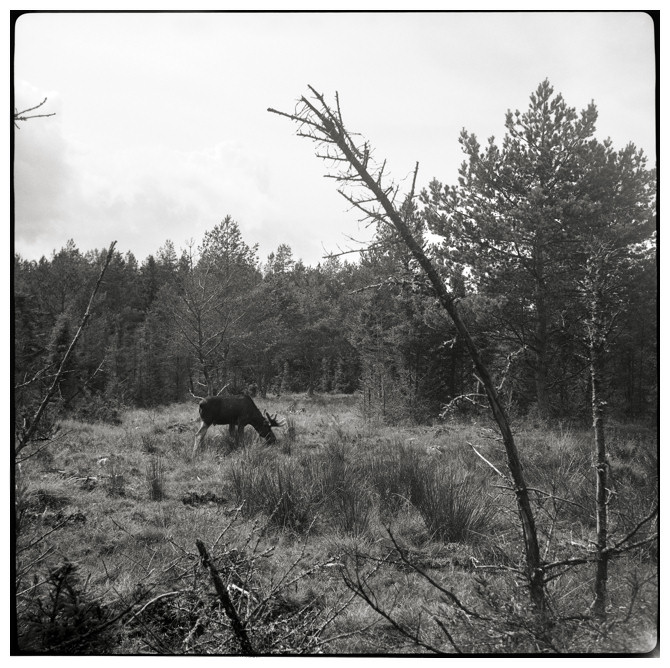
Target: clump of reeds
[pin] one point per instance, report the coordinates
(155, 479)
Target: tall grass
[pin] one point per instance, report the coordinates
(155, 478)
(345, 487)
(296, 491)
(116, 480)
(449, 499)
(391, 472)
(275, 486)
(331, 481)
(452, 504)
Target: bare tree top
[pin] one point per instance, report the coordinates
(351, 160)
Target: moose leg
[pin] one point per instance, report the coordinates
(200, 435)
(232, 431)
(239, 435)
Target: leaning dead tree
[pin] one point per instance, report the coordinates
(364, 183)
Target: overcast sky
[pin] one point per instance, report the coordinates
(162, 129)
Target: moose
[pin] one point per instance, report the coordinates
(236, 412)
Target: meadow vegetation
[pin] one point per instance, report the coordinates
(348, 536)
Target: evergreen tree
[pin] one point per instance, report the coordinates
(514, 224)
(210, 302)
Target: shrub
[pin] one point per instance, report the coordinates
(62, 615)
(294, 491)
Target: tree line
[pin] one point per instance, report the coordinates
(547, 241)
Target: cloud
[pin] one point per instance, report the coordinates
(140, 196)
(42, 176)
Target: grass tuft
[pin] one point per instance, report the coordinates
(452, 504)
(155, 479)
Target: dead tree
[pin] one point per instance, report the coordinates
(364, 186)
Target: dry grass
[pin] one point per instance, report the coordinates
(337, 494)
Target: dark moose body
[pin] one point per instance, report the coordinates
(237, 413)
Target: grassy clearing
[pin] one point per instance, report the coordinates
(340, 510)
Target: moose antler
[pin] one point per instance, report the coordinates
(272, 419)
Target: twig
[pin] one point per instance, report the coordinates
(613, 551)
(502, 475)
(362, 589)
(617, 545)
(446, 633)
(43, 536)
(19, 115)
(558, 498)
(451, 596)
(94, 631)
(153, 600)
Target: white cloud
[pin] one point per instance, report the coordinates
(139, 196)
(41, 172)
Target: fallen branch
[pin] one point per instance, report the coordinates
(238, 627)
(153, 600)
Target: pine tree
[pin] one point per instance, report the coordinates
(513, 221)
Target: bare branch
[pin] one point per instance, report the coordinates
(360, 586)
(486, 461)
(154, 600)
(39, 539)
(639, 525)
(440, 623)
(21, 115)
(450, 595)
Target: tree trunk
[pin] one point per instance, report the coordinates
(601, 486)
(540, 341)
(598, 409)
